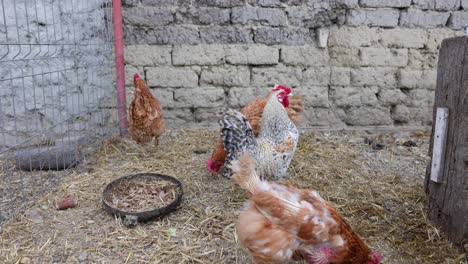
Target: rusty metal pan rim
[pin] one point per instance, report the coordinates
(145, 215)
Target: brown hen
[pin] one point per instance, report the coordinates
(145, 114)
(253, 112)
(281, 222)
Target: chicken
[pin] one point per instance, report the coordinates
(145, 114)
(253, 112)
(276, 143)
(281, 222)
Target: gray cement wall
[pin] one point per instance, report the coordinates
(56, 70)
(378, 69)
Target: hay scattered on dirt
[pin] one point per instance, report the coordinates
(20, 189)
(379, 192)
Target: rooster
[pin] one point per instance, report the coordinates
(145, 114)
(253, 112)
(276, 143)
(280, 222)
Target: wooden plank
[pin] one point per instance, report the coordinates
(448, 199)
(440, 141)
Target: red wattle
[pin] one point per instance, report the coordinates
(286, 101)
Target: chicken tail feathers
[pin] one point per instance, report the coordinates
(244, 172)
(237, 136)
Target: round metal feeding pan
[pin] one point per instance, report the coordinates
(119, 196)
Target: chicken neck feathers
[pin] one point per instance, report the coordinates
(274, 119)
(273, 148)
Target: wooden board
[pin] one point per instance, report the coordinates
(448, 198)
(440, 139)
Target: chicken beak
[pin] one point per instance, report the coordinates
(290, 94)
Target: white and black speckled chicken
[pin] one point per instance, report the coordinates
(274, 147)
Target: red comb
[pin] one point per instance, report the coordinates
(282, 87)
(136, 76)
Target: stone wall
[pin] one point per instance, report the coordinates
(378, 69)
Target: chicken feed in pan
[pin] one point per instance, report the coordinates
(379, 192)
(139, 195)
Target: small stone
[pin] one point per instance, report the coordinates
(45, 207)
(367, 141)
(378, 146)
(200, 151)
(173, 232)
(25, 260)
(34, 216)
(130, 220)
(408, 237)
(400, 135)
(374, 218)
(173, 133)
(376, 142)
(83, 256)
(409, 143)
(90, 221)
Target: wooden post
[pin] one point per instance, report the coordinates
(448, 194)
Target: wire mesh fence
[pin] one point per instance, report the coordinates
(56, 92)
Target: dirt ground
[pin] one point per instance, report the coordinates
(379, 191)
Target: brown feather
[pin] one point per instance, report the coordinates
(283, 218)
(145, 115)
